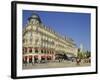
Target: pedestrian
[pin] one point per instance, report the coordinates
(78, 60)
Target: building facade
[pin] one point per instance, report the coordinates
(43, 43)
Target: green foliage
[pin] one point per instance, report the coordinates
(86, 54)
(80, 55)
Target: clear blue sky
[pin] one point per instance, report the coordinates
(74, 25)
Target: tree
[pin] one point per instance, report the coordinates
(80, 54)
(88, 54)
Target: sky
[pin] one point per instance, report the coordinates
(74, 25)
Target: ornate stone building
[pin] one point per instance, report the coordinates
(42, 43)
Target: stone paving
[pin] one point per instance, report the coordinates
(55, 65)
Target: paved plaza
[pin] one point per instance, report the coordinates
(55, 65)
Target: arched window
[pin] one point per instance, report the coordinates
(36, 50)
(30, 49)
(23, 40)
(45, 51)
(25, 49)
(52, 52)
(41, 51)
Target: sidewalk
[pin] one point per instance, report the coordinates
(55, 65)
